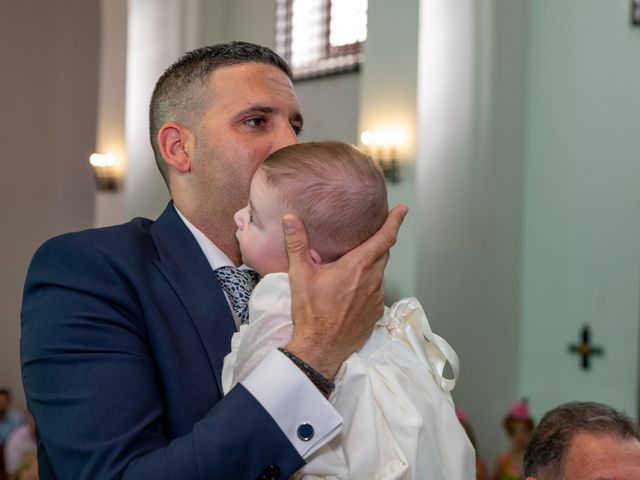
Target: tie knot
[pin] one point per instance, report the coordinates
(237, 284)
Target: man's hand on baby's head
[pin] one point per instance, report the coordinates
(335, 306)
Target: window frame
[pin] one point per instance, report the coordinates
(334, 60)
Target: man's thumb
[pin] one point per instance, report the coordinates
(295, 238)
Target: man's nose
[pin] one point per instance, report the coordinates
(286, 136)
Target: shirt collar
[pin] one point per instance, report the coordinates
(215, 256)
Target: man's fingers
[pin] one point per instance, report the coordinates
(391, 227)
(381, 241)
(296, 239)
(393, 222)
(382, 260)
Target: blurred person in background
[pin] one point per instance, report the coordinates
(519, 425)
(19, 443)
(10, 418)
(481, 466)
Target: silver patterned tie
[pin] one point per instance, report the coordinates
(237, 284)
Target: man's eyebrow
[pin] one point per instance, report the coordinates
(296, 117)
(255, 109)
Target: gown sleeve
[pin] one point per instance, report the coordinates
(269, 327)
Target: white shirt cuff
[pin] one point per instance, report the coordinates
(294, 403)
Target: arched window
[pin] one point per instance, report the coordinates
(321, 37)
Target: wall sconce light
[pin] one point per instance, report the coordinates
(105, 171)
(382, 146)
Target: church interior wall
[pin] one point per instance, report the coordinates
(581, 258)
(49, 56)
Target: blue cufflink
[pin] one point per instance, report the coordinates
(305, 432)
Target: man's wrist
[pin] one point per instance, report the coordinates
(322, 383)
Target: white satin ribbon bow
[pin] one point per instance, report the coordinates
(411, 322)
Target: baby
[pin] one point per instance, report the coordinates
(399, 418)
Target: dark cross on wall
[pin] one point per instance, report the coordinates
(585, 349)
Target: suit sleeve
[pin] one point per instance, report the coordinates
(92, 385)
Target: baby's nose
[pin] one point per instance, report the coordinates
(238, 219)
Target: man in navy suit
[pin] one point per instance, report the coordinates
(124, 328)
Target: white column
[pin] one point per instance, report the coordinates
(109, 206)
(140, 39)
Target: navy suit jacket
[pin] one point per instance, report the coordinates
(124, 330)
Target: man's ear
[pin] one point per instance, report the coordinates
(315, 256)
(176, 144)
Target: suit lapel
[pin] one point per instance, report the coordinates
(185, 266)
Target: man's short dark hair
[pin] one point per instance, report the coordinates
(550, 441)
(179, 92)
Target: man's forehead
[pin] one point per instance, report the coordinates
(243, 87)
(251, 76)
(602, 456)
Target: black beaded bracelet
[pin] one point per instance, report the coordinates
(321, 382)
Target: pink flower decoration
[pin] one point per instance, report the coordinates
(519, 410)
(462, 416)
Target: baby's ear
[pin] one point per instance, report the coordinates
(315, 256)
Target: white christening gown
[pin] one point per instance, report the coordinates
(399, 418)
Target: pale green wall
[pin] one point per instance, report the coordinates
(582, 202)
(388, 94)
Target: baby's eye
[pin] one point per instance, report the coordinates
(251, 219)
